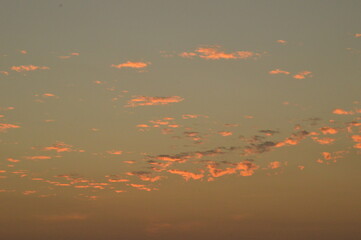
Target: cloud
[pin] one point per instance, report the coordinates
(282, 41)
(25, 68)
(323, 141)
(187, 175)
(192, 116)
(225, 133)
(274, 165)
(129, 64)
(268, 132)
(42, 157)
(152, 101)
(302, 75)
(59, 147)
(4, 73)
(115, 152)
(328, 130)
(141, 187)
(70, 55)
(278, 71)
(342, 112)
(5, 126)
(144, 176)
(215, 53)
(357, 35)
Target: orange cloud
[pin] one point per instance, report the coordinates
(38, 157)
(59, 147)
(328, 130)
(144, 176)
(24, 68)
(4, 73)
(323, 141)
(190, 116)
(140, 187)
(342, 112)
(225, 133)
(278, 71)
(115, 152)
(357, 35)
(151, 101)
(48, 95)
(28, 192)
(187, 175)
(282, 41)
(274, 165)
(357, 139)
(302, 75)
(130, 64)
(13, 160)
(23, 52)
(215, 53)
(5, 126)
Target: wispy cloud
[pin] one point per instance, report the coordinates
(278, 71)
(216, 53)
(152, 101)
(129, 64)
(302, 75)
(25, 68)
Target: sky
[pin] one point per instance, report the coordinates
(179, 120)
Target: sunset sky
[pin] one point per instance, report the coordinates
(165, 119)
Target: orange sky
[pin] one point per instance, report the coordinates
(180, 119)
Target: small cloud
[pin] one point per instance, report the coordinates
(282, 41)
(151, 101)
(24, 68)
(5, 126)
(115, 152)
(130, 64)
(225, 133)
(38, 157)
(342, 112)
(278, 71)
(302, 75)
(215, 53)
